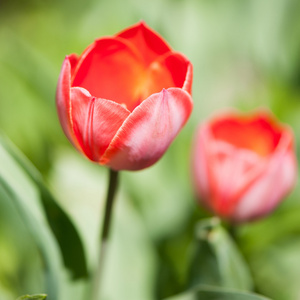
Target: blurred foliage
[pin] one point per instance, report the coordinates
(216, 260)
(216, 293)
(246, 54)
(33, 297)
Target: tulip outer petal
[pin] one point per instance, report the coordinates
(63, 100)
(95, 122)
(276, 181)
(149, 130)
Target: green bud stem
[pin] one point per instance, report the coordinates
(104, 237)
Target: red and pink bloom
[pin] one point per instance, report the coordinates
(243, 165)
(125, 98)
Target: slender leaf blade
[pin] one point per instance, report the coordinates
(67, 236)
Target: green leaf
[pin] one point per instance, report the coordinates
(21, 185)
(16, 188)
(65, 232)
(216, 259)
(204, 292)
(33, 297)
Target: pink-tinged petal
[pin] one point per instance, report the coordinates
(111, 69)
(63, 103)
(95, 122)
(275, 183)
(148, 42)
(149, 130)
(187, 85)
(232, 171)
(213, 161)
(200, 166)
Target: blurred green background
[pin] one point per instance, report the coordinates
(246, 55)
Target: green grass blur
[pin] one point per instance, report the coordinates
(246, 55)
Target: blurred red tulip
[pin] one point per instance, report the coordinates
(123, 101)
(243, 166)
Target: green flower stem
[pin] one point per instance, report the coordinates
(233, 231)
(104, 238)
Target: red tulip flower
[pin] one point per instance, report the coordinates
(125, 98)
(243, 166)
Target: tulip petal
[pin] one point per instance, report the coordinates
(169, 70)
(244, 167)
(148, 42)
(111, 69)
(275, 183)
(149, 130)
(95, 122)
(213, 161)
(201, 166)
(187, 85)
(63, 103)
(256, 133)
